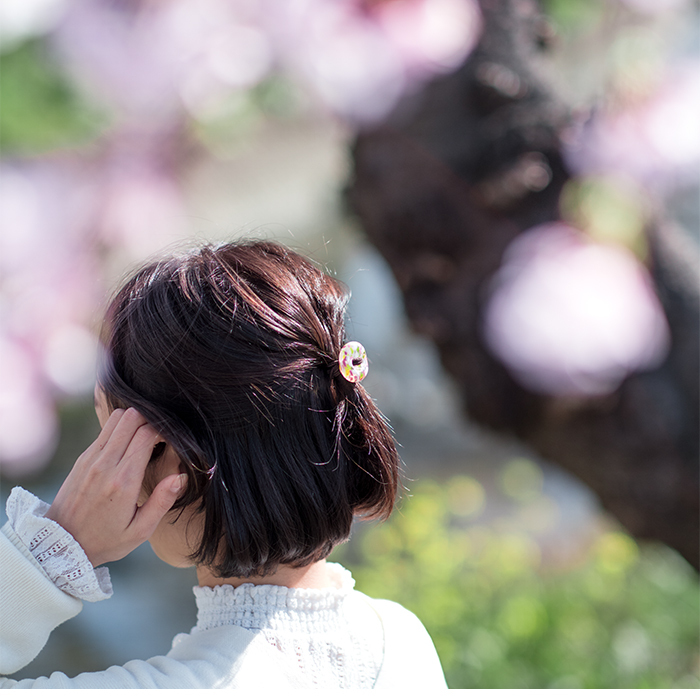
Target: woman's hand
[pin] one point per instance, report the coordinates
(97, 503)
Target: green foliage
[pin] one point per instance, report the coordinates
(39, 109)
(575, 16)
(623, 617)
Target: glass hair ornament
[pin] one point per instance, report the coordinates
(352, 362)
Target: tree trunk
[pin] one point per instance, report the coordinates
(441, 188)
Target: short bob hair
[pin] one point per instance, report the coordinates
(231, 353)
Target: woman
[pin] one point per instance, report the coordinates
(236, 438)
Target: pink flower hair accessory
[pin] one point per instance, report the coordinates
(352, 362)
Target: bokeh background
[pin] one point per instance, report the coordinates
(132, 127)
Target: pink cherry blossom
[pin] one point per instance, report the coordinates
(654, 141)
(569, 316)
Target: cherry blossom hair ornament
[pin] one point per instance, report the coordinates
(352, 362)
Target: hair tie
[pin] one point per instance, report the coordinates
(353, 362)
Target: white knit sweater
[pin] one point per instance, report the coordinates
(255, 637)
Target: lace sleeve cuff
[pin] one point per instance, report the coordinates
(58, 553)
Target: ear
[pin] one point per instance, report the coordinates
(168, 463)
(164, 462)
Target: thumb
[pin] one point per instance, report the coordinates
(160, 502)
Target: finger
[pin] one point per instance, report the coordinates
(137, 456)
(158, 504)
(109, 427)
(123, 433)
(103, 438)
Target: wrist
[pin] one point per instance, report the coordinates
(56, 551)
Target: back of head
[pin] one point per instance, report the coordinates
(231, 353)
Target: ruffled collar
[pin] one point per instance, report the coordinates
(256, 607)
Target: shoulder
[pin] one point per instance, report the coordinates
(398, 620)
(410, 657)
(395, 613)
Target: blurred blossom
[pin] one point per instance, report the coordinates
(28, 426)
(71, 358)
(58, 215)
(122, 57)
(569, 316)
(146, 60)
(240, 57)
(360, 56)
(20, 19)
(140, 209)
(142, 59)
(431, 36)
(656, 139)
(47, 265)
(654, 7)
(49, 291)
(221, 45)
(348, 65)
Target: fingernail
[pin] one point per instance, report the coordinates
(179, 483)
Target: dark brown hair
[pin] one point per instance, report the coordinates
(231, 353)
